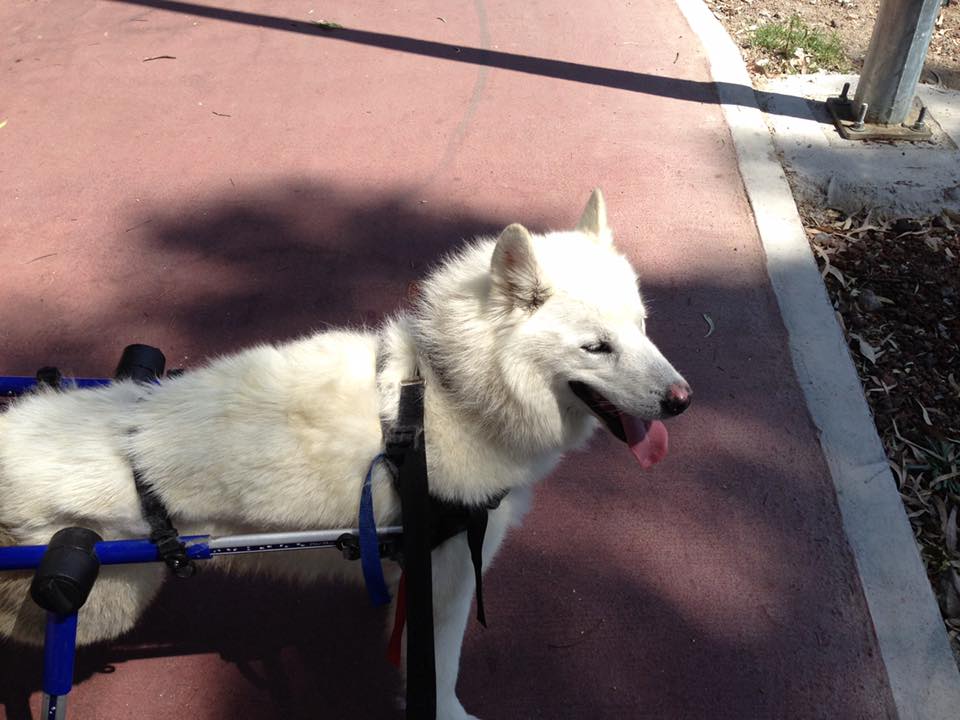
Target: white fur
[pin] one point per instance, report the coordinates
(280, 437)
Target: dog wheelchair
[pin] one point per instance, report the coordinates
(66, 569)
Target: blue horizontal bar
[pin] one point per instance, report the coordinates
(19, 384)
(110, 552)
(120, 552)
(21, 557)
(199, 547)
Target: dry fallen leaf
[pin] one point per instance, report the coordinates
(941, 510)
(710, 324)
(837, 274)
(827, 267)
(950, 531)
(866, 349)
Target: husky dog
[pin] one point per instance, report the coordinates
(526, 344)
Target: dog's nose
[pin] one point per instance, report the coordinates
(676, 400)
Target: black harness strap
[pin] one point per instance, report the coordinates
(145, 364)
(162, 532)
(448, 519)
(406, 448)
(476, 529)
(428, 522)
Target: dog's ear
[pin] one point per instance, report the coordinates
(516, 275)
(593, 221)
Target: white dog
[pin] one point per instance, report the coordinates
(524, 342)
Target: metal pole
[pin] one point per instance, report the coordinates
(894, 59)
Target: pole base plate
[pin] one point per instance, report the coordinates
(841, 110)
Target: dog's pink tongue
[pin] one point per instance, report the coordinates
(647, 443)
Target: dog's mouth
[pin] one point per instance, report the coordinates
(647, 439)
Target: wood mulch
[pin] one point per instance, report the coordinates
(895, 286)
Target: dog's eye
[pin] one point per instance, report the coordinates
(601, 346)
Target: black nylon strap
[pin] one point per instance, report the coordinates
(406, 448)
(448, 519)
(428, 522)
(145, 364)
(162, 532)
(476, 529)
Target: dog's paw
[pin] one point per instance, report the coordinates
(453, 710)
(450, 710)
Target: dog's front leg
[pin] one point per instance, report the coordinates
(453, 588)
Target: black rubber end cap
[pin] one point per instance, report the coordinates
(67, 571)
(142, 363)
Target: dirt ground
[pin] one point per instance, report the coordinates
(851, 20)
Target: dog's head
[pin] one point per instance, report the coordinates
(579, 322)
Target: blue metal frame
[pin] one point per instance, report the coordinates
(60, 640)
(109, 552)
(61, 635)
(12, 385)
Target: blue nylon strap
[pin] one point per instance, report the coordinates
(369, 544)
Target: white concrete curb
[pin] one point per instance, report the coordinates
(913, 643)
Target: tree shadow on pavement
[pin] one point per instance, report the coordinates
(275, 651)
(272, 264)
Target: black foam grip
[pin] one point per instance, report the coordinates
(67, 571)
(142, 363)
(49, 376)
